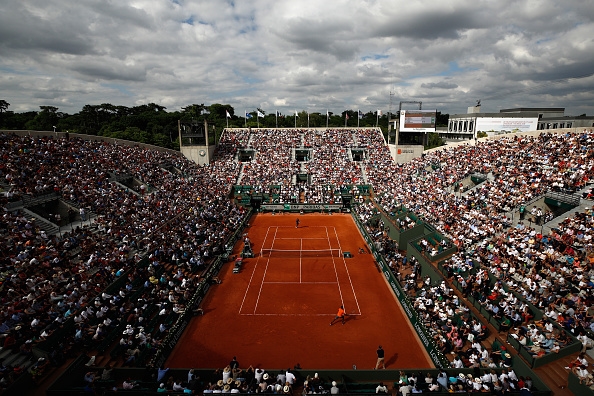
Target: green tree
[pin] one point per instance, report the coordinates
(45, 120)
(3, 105)
(193, 111)
(219, 111)
(433, 140)
(442, 119)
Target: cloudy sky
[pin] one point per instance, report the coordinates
(300, 54)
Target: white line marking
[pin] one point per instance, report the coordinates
(335, 270)
(252, 276)
(264, 276)
(348, 274)
(294, 226)
(274, 238)
(281, 314)
(300, 272)
(323, 239)
(301, 283)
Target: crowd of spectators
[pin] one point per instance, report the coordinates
(182, 218)
(477, 222)
(177, 224)
(273, 163)
(331, 164)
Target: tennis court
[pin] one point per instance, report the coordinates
(307, 263)
(276, 311)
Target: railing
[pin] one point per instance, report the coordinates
(533, 361)
(182, 322)
(571, 199)
(38, 199)
(424, 335)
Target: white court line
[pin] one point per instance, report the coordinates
(301, 283)
(300, 261)
(348, 274)
(252, 277)
(302, 238)
(296, 314)
(274, 238)
(335, 270)
(264, 276)
(294, 226)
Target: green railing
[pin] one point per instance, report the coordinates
(349, 381)
(578, 388)
(176, 331)
(533, 361)
(438, 359)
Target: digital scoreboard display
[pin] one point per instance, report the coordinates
(417, 120)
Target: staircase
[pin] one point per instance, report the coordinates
(43, 224)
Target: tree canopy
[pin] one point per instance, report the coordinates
(152, 123)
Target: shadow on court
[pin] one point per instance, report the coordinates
(392, 360)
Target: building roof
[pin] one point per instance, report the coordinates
(496, 115)
(534, 109)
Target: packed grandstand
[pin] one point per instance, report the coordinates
(101, 240)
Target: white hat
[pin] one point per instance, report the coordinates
(333, 383)
(266, 376)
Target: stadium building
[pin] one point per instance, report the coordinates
(129, 269)
(522, 119)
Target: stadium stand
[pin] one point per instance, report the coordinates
(108, 247)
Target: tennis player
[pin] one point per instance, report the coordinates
(339, 315)
(296, 223)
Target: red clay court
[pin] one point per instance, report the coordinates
(276, 311)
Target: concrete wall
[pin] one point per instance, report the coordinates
(94, 138)
(405, 153)
(199, 154)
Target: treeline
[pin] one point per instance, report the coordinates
(152, 124)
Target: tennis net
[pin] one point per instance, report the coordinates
(278, 253)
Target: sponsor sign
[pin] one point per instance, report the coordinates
(300, 207)
(504, 124)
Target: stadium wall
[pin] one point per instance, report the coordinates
(94, 138)
(198, 154)
(405, 153)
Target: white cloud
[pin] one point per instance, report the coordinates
(309, 55)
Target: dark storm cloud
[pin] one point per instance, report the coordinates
(312, 55)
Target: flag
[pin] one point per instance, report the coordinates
(260, 114)
(248, 115)
(228, 115)
(278, 114)
(379, 113)
(346, 115)
(296, 115)
(360, 114)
